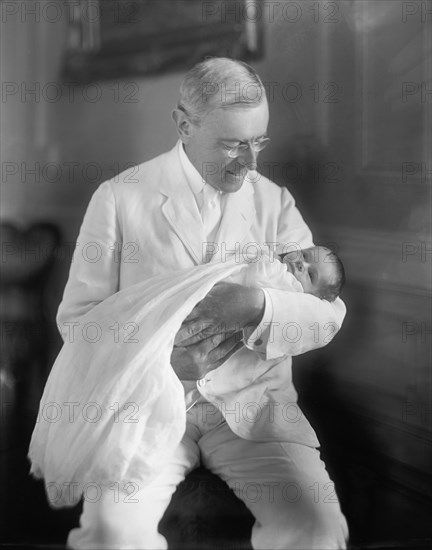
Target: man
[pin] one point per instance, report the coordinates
(201, 202)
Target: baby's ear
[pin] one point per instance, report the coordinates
(323, 295)
(329, 297)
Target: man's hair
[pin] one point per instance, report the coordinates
(219, 82)
(331, 290)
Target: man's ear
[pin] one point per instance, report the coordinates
(183, 125)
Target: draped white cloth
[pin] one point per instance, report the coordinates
(113, 409)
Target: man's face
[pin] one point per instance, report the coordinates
(208, 144)
(312, 267)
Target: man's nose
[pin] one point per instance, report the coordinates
(250, 157)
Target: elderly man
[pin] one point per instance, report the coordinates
(200, 202)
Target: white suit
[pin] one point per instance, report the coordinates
(148, 224)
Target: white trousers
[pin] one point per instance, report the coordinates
(284, 485)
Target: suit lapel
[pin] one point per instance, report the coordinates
(180, 208)
(181, 212)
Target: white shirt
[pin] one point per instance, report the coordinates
(204, 194)
(210, 201)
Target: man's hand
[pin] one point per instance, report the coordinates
(194, 361)
(212, 332)
(228, 307)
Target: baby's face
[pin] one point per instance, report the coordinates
(310, 268)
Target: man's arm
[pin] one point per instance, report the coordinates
(296, 323)
(291, 323)
(214, 329)
(94, 271)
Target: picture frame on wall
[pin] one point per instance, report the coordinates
(111, 39)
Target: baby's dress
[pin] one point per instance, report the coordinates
(113, 409)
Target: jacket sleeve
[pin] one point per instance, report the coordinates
(95, 267)
(294, 323)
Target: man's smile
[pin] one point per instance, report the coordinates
(238, 173)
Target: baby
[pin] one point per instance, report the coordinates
(316, 270)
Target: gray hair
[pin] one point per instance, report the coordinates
(219, 82)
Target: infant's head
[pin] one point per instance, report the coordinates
(318, 269)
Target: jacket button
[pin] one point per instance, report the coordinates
(202, 382)
(258, 342)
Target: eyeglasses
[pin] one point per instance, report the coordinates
(257, 145)
(234, 152)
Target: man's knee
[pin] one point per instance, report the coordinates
(324, 524)
(327, 526)
(304, 524)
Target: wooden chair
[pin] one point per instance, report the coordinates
(205, 514)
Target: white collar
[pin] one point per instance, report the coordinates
(193, 177)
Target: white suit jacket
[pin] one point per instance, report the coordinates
(146, 222)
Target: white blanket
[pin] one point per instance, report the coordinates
(113, 409)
